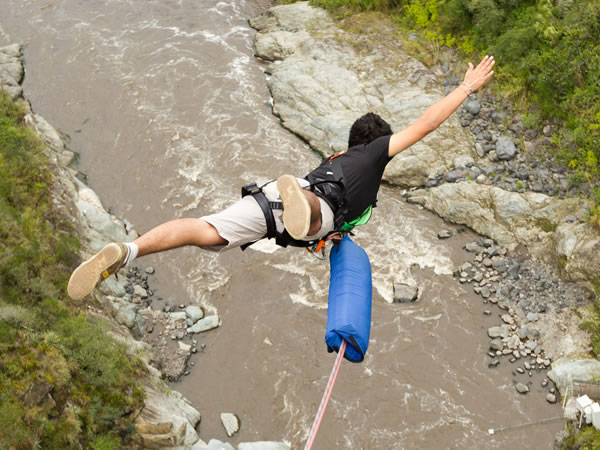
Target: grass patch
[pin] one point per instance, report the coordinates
(584, 438)
(546, 225)
(63, 382)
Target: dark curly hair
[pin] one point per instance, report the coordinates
(367, 128)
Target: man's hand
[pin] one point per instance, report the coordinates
(437, 113)
(476, 77)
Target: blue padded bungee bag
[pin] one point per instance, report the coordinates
(350, 298)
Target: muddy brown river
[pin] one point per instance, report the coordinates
(170, 113)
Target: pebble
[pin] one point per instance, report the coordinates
(496, 344)
(494, 362)
(522, 388)
(140, 291)
(231, 423)
(183, 346)
(444, 234)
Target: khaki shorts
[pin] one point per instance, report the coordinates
(244, 221)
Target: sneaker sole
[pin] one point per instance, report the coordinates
(296, 210)
(86, 276)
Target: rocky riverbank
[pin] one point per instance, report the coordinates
(483, 168)
(163, 337)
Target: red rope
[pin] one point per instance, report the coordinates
(326, 395)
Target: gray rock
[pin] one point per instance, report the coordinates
(506, 318)
(404, 293)
(496, 344)
(231, 423)
(532, 317)
(473, 107)
(140, 291)
(463, 161)
(466, 266)
(126, 315)
(564, 370)
(505, 148)
(139, 329)
(501, 265)
(208, 323)
(533, 333)
(444, 234)
(501, 331)
(178, 315)
(551, 398)
(215, 444)
(522, 388)
(473, 247)
(514, 219)
(194, 312)
(479, 150)
(454, 175)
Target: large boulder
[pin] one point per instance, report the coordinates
(565, 370)
(320, 84)
(551, 229)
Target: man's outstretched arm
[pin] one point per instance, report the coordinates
(440, 111)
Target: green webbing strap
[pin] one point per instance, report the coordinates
(361, 220)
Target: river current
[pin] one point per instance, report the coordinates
(170, 113)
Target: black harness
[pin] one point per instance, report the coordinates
(326, 181)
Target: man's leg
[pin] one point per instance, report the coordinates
(173, 234)
(177, 233)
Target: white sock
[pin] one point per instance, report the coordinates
(132, 254)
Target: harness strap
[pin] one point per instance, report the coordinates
(267, 209)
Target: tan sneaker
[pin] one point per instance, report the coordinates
(296, 210)
(99, 267)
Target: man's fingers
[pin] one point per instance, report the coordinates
(486, 64)
(487, 60)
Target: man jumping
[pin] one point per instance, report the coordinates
(335, 197)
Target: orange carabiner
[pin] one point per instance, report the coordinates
(319, 246)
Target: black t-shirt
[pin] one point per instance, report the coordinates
(362, 166)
